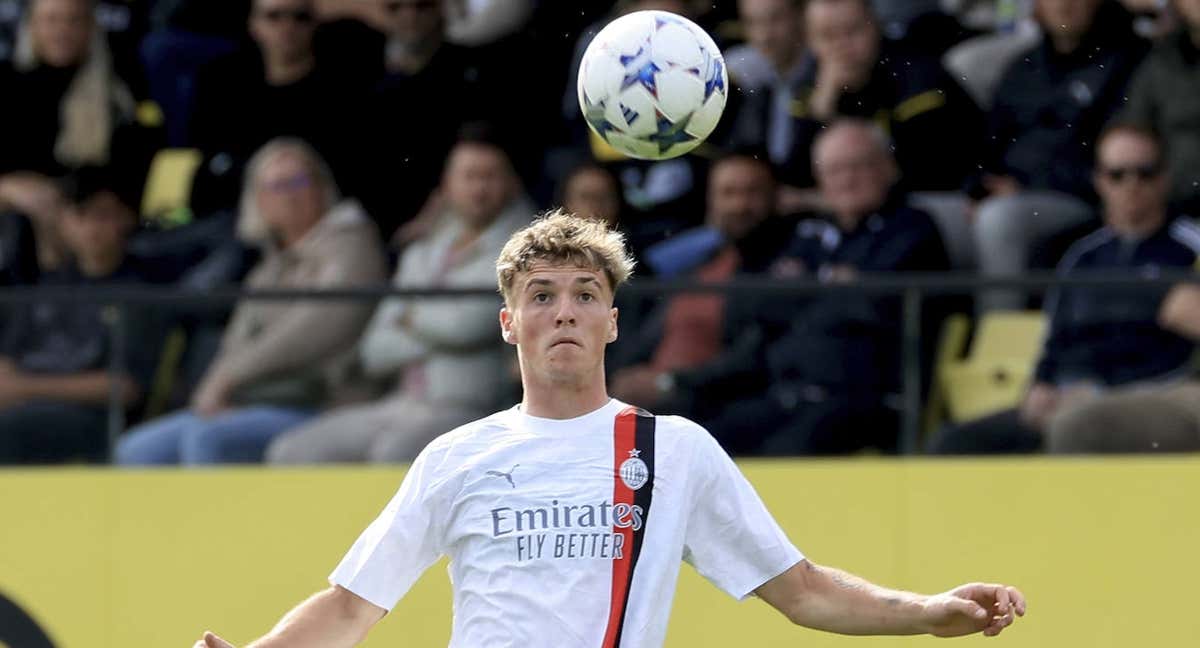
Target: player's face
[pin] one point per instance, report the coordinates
(561, 318)
(61, 31)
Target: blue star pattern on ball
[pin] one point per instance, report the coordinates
(662, 20)
(669, 134)
(640, 69)
(716, 79)
(594, 114)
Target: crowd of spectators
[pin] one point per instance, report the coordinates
(341, 141)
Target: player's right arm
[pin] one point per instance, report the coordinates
(328, 619)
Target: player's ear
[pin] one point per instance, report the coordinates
(612, 325)
(506, 326)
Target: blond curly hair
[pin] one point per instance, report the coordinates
(560, 237)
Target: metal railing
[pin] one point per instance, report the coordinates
(913, 289)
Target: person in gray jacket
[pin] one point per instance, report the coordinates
(444, 355)
(279, 359)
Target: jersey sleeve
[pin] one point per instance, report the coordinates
(731, 538)
(406, 538)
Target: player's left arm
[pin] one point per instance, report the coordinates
(825, 598)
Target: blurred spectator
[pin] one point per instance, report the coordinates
(1160, 417)
(412, 117)
(274, 89)
(592, 191)
(1100, 338)
(667, 189)
(65, 108)
(56, 354)
(922, 25)
(693, 342)
(765, 70)
(279, 360)
(123, 22)
(18, 251)
(979, 62)
(1153, 19)
(185, 36)
(987, 15)
(833, 359)
(1049, 106)
(934, 125)
(481, 22)
(443, 354)
(1165, 95)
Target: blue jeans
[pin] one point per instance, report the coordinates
(236, 436)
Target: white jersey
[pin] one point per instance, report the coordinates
(569, 532)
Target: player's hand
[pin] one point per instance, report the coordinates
(977, 607)
(211, 640)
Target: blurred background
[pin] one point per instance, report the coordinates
(264, 232)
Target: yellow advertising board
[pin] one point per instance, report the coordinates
(1106, 550)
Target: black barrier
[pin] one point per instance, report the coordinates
(913, 289)
(18, 629)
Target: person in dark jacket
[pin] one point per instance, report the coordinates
(274, 87)
(1165, 95)
(833, 359)
(1099, 337)
(693, 345)
(63, 107)
(55, 355)
(934, 124)
(1050, 105)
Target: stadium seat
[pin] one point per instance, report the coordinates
(169, 184)
(166, 372)
(951, 345)
(994, 374)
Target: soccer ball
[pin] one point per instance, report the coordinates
(652, 84)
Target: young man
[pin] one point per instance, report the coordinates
(575, 488)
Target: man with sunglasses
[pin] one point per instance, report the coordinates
(274, 89)
(1100, 337)
(1034, 189)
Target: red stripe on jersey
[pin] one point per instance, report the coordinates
(624, 439)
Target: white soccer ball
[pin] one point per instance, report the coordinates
(653, 85)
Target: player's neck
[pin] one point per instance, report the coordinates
(563, 400)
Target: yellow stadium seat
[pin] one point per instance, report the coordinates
(162, 383)
(996, 372)
(951, 345)
(169, 182)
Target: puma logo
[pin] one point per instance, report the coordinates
(506, 475)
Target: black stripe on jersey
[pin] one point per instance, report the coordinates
(644, 442)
